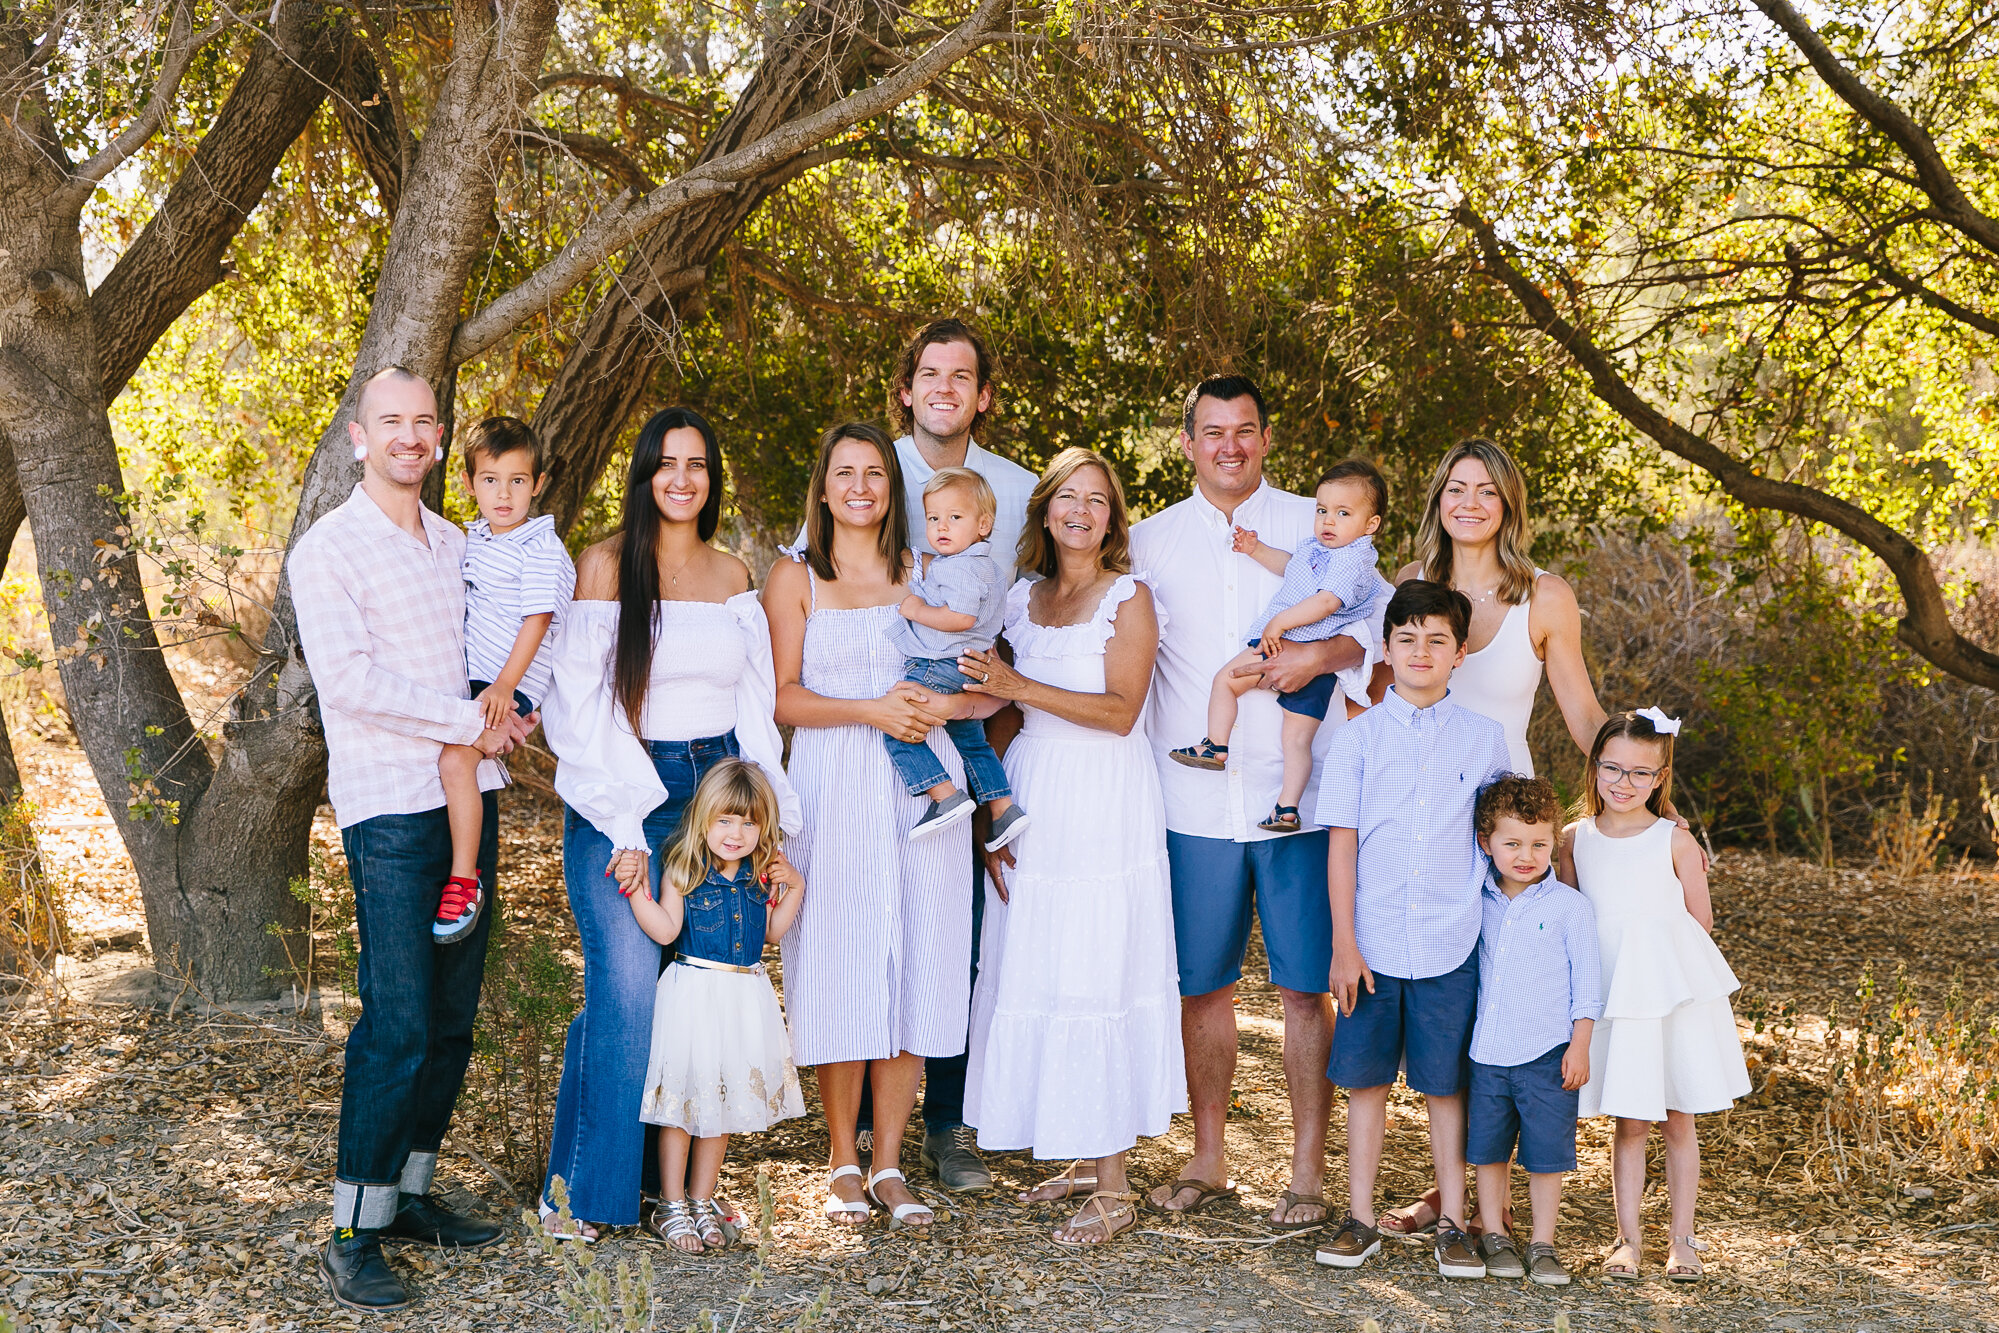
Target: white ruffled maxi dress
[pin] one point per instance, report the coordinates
(1667, 1038)
(1076, 1016)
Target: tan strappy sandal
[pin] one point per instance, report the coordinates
(1126, 1207)
(1071, 1183)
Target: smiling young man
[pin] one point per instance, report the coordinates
(380, 596)
(940, 396)
(1223, 866)
(1405, 874)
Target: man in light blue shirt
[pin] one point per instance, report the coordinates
(1404, 875)
(1540, 993)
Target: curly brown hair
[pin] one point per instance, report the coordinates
(1529, 800)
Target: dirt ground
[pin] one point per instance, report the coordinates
(166, 1166)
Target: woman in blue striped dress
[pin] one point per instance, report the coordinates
(877, 968)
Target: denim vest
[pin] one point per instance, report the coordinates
(725, 919)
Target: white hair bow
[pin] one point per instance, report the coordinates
(1665, 726)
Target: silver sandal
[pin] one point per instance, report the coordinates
(708, 1223)
(674, 1219)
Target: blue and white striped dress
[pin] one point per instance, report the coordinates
(879, 961)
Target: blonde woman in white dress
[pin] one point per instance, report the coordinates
(1666, 1048)
(1076, 1048)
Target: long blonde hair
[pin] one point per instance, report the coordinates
(1036, 554)
(1433, 548)
(731, 787)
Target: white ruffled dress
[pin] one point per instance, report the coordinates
(1075, 1047)
(1667, 1038)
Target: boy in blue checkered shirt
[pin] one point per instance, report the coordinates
(1330, 585)
(1539, 996)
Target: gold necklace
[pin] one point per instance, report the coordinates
(674, 582)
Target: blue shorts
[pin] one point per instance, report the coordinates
(1314, 699)
(1524, 1102)
(1425, 1024)
(1213, 883)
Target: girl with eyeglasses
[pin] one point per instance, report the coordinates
(1665, 1049)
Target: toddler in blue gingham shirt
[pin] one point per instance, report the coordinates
(1331, 586)
(1539, 995)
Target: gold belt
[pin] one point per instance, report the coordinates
(714, 966)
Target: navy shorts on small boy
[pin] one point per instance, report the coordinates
(1426, 1023)
(1314, 699)
(1526, 1103)
(521, 701)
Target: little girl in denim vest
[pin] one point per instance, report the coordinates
(721, 1061)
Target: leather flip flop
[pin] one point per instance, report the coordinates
(1290, 1199)
(1204, 1193)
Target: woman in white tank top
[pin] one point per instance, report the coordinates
(1474, 537)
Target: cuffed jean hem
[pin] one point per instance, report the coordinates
(418, 1170)
(365, 1207)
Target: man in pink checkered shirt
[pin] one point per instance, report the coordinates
(379, 589)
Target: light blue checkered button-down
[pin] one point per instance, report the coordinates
(1349, 572)
(1538, 971)
(1405, 778)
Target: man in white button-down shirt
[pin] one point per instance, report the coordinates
(1223, 866)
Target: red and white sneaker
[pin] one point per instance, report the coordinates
(458, 911)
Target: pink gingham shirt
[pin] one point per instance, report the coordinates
(381, 617)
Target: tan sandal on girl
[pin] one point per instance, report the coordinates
(1068, 1181)
(1623, 1270)
(1680, 1272)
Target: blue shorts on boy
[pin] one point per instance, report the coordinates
(1538, 974)
(1405, 780)
(508, 577)
(968, 583)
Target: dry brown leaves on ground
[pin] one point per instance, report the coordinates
(170, 1171)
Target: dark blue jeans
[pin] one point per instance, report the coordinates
(597, 1144)
(918, 765)
(406, 1057)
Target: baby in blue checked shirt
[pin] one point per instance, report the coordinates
(1539, 996)
(956, 604)
(1329, 587)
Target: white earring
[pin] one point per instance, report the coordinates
(438, 457)
(360, 453)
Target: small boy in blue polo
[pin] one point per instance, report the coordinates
(1539, 996)
(1404, 872)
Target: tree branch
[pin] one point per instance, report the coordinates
(622, 86)
(626, 220)
(180, 253)
(804, 296)
(1952, 207)
(591, 148)
(1935, 300)
(181, 46)
(1925, 627)
(368, 124)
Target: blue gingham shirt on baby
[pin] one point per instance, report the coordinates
(1348, 572)
(1405, 779)
(1538, 971)
(968, 583)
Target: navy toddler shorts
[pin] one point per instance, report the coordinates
(1526, 1103)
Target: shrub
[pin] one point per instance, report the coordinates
(325, 951)
(33, 928)
(524, 1009)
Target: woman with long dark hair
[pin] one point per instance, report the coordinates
(662, 669)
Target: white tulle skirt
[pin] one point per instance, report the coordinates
(721, 1060)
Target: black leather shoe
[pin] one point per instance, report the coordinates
(357, 1275)
(425, 1221)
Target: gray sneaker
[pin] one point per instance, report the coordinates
(943, 814)
(1501, 1255)
(953, 1155)
(1544, 1266)
(1007, 827)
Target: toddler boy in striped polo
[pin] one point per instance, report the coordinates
(1539, 996)
(517, 576)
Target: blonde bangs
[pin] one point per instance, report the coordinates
(731, 787)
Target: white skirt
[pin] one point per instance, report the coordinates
(721, 1062)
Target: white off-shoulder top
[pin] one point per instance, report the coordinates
(602, 768)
